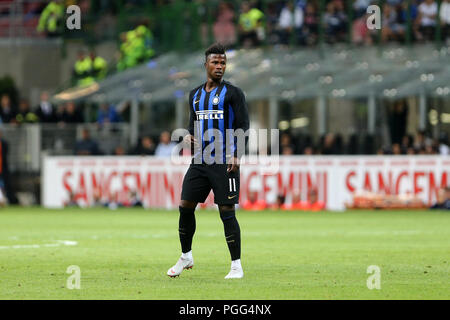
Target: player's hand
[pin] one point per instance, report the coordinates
(189, 139)
(234, 165)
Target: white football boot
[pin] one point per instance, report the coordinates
(236, 271)
(182, 263)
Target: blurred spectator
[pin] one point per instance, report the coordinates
(290, 23)
(443, 199)
(4, 171)
(145, 147)
(286, 145)
(396, 149)
(119, 151)
(394, 3)
(382, 151)
(339, 144)
(97, 200)
(360, 7)
(253, 203)
(410, 151)
(360, 32)
(132, 200)
(421, 151)
(430, 149)
(428, 11)
(136, 47)
(421, 140)
(86, 146)
(51, 21)
(224, 28)
(335, 21)
(309, 151)
(280, 204)
(72, 114)
(113, 201)
(4, 9)
(329, 145)
(406, 143)
(202, 15)
(107, 114)
(82, 70)
(287, 150)
(444, 148)
(313, 203)
(299, 21)
(286, 23)
(296, 202)
(391, 30)
(311, 24)
(165, 146)
(353, 144)
(59, 114)
(99, 66)
(398, 119)
(25, 115)
(444, 15)
(413, 12)
(72, 201)
(250, 26)
(305, 142)
(271, 19)
(44, 110)
(7, 111)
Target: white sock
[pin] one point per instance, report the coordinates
(236, 264)
(187, 255)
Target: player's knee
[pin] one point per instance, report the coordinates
(188, 204)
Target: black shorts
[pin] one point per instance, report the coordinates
(201, 178)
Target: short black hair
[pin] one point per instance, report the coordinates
(216, 48)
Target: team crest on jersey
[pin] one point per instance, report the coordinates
(216, 100)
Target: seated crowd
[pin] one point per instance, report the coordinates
(254, 203)
(371, 200)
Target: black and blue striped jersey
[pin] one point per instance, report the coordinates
(222, 109)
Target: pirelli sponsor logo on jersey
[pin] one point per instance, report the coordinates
(209, 115)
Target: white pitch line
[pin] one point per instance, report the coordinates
(35, 246)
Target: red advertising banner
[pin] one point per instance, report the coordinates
(157, 181)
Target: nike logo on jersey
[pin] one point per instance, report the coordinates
(229, 198)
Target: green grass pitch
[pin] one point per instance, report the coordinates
(124, 254)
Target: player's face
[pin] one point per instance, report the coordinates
(215, 66)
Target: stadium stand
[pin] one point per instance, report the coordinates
(311, 69)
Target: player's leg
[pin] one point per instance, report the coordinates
(186, 228)
(226, 196)
(195, 189)
(233, 238)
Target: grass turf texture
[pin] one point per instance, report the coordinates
(124, 254)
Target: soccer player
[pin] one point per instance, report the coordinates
(215, 106)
